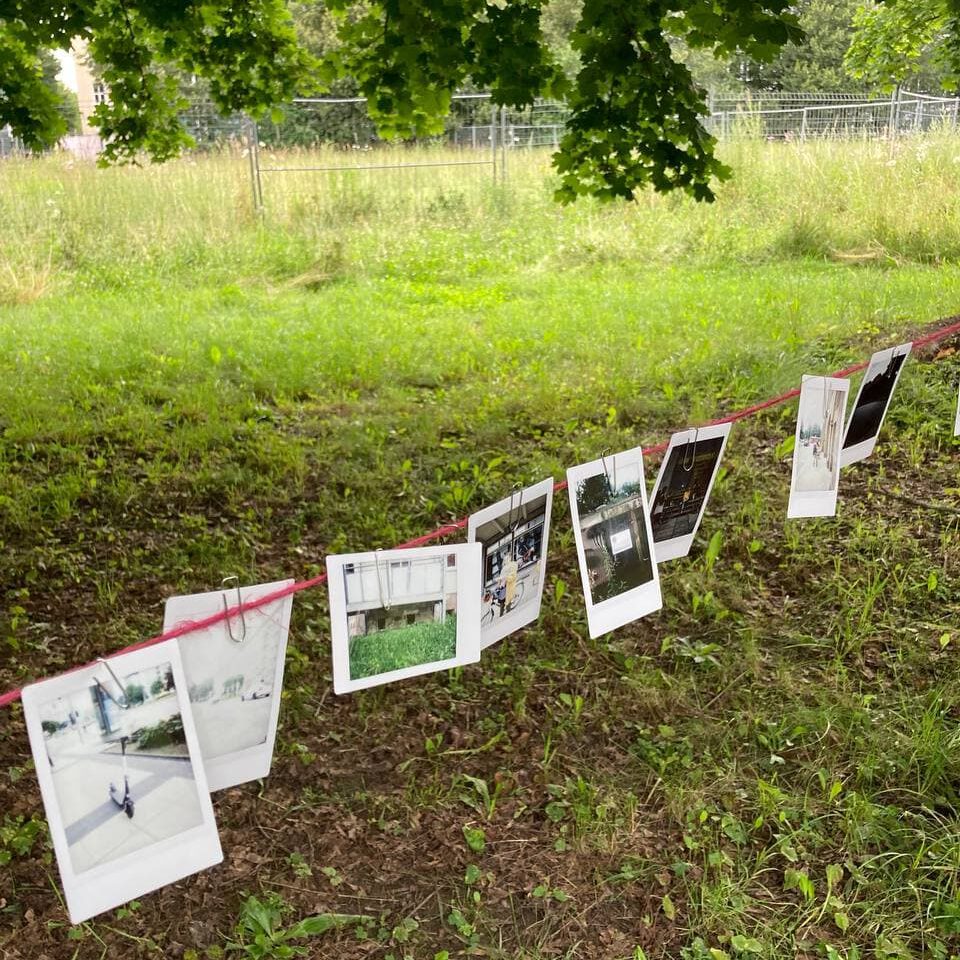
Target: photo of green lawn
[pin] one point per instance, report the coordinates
(409, 646)
(767, 768)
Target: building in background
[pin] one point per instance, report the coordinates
(77, 74)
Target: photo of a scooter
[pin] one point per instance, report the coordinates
(122, 798)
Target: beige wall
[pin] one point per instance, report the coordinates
(76, 74)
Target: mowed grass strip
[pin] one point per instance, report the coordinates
(399, 647)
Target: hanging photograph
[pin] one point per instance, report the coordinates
(611, 526)
(513, 534)
(683, 486)
(122, 781)
(402, 613)
(816, 452)
(234, 673)
(873, 399)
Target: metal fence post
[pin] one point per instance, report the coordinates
(503, 144)
(493, 140)
(803, 124)
(253, 156)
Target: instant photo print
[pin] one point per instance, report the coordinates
(816, 452)
(513, 534)
(683, 486)
(122, 781)
(611, 526)
(873, 400)
(234, 673)
(403, 613)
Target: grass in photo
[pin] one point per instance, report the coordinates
(400, 613)
(613, 528)
(120, 766)
(395, 648)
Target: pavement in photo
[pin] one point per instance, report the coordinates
(229, 725)
(165, 803)
(812, 476)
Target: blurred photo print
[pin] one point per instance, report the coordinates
(611, 526)
(873, 399)
(403, 613)
(683, 486)
(122, 781)
(513, 534)
(816, 452)
(234, 673)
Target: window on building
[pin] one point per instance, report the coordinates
(411, 618)
(99, 92)
(381, 623)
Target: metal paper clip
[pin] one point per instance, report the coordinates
(234, 582)
(385, 604)
(693, 450)
(612, 483)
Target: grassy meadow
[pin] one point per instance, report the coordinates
(768, 768)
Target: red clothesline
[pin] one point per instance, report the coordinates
(192, 626)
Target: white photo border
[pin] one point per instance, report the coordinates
(676, 547)
(108, 885)
(633, 604)
(863, 449)
(498, 629)
(815, 503)
(956, 423)
(250, 763)
(468, 612)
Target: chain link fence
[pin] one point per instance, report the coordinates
(326, 144)
(786, 116)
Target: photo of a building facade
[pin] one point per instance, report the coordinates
(400, 613)
(613, 531)
(819, 435)
(512, 561)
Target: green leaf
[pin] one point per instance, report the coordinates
(668, 908)
(713, 550)
(476, 839)
(320, 923)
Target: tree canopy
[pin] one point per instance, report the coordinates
(634, 107)
(899, 40)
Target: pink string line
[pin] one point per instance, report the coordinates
(191, 626)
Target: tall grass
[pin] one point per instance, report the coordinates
(68, 223)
